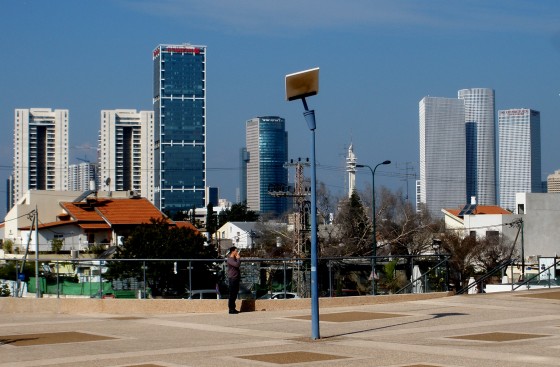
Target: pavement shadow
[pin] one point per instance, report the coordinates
(433, 317)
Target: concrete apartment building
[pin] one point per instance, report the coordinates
(126, 154)
(40, 151)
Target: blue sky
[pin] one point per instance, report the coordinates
(377, 60)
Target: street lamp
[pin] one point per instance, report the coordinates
(374, 232)
(299, 86)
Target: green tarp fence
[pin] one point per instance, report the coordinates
(75, 289)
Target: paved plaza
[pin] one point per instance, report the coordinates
(500, 329)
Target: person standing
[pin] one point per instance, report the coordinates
(234, 276)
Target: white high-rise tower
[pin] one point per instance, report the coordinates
(351, 169)
(442, 154)
(126, 152)
(520, 154)
(480, 144)
(40, 150)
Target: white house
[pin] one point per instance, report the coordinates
(78, 220)
(539, 213)
(239, 234)
(481, 220)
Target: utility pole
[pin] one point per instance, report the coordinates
(299, 193)
(408, 167)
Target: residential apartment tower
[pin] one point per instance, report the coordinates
(126, 152)
(40, 151)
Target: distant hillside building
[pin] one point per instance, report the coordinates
(82, 176)
(40, 151)
(553, 182)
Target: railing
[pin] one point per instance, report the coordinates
(434, 279)
(479, 283)
(531, 279)
(174, 278)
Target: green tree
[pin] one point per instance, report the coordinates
(56, 245)
(463, 256)
(159, 240)
(8, 246)
(211, 221)
(401, 230)
(353, 236)
(392, 279)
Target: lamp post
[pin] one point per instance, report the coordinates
(374, 232)
(298, 86)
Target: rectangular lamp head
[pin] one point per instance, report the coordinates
(302, 84)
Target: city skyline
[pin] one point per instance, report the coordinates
(377, 59)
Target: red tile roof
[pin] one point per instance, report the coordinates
(185, 224)
(127, 211)
(490, 209)
(49, 225)
(94, 225)
(112, 211)
(80, 211)
(482, 209)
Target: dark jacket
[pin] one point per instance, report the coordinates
(233, 267)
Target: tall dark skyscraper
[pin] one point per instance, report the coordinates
(180, 127)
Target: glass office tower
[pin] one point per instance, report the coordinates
(267, 153)
(180, 127)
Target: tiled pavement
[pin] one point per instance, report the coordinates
(518, 329)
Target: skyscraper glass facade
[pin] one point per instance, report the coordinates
(480, 144)
(520, 154)
(267, 148)
(180, 127)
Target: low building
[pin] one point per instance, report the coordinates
(539, 214)
(79, 220)
(481, 221)
(239, 234)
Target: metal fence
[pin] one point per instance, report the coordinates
(176, 278)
